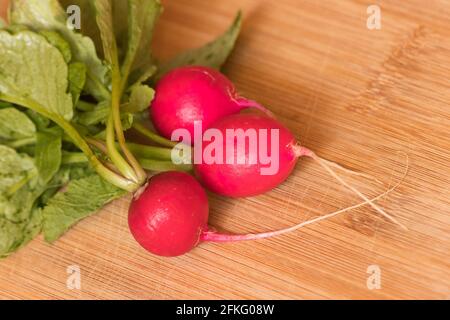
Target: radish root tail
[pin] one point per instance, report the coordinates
(352, 172)
(308, 153)
(246, 103)
(213, 236)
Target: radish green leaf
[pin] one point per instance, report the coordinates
(213, 54)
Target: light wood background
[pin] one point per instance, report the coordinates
(355, 96)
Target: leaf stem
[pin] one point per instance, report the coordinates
(154, 137)
(150, 151)
(78, 140)
(85, 106)
(104, 18)
(18, 185)
(102, 92)
(148, 164)
(117, 123)
(161, 166)
(100, 145)
(122, 165)
(73, 158)
(21, 143)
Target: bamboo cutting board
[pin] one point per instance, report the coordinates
(356, 96)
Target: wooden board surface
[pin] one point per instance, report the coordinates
(355, 96)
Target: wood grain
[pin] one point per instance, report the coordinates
(355, 96)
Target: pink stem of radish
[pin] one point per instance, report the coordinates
(218, 237)
(246, 103)
(213, 236)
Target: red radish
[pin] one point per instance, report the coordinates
(229, 178)
(169, 216)
(194, 93)
(243, 180)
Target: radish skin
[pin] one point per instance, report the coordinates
(195, 93)
(168, 215)
(230, 179)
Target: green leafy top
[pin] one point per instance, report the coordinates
(69, 207)
(64, 91)
(142, 17)
(213, 54)
(15, 125)
(19, 222)
(15, 170)
(49, 15)
(26, 79)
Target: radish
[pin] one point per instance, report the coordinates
(194, 93)
(169, 216)
(228, 177)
